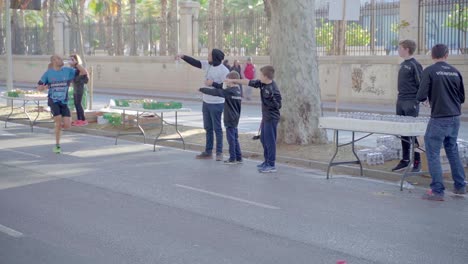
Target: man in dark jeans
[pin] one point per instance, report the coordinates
(409, 77)
(442, 85)
(213, 106)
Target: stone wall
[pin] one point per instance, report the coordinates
(364, 79)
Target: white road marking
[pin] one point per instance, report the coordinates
(228, 197)
(10, 231)
(21, 152)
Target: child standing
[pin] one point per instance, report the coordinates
(232, 110)
(271, 105)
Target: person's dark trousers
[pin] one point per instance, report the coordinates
(268, 139)
(212, 123)
(232, 136)
(444, 131)
(77, 98)
(408, 108)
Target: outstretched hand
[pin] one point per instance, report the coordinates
(179, 56)
(426, 103)
(209, 82)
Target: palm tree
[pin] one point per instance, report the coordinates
(133, 50)
(172, 28)
(105, 11)
(119, 47)
(50, 32)
(219, 13)
(2, 38)
(163, 29)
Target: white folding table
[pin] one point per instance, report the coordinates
(25, 100)
(399, 129)
(157, 112)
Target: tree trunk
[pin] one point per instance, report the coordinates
(119, 32)
(133, 50)
(295, 60)
(211, 25)
(43, 38)
(81, 50)
(109, 39)
(2, 37)
(50, 32)
(17, 33)
(338, 45)
(173, 28)
(219, 31)
(163, 29)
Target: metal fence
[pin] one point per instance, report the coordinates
(375, 33)
(444, 21)
(242, 34)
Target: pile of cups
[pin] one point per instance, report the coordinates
(379, 117)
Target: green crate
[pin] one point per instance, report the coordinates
(13, 94)
(121, 102)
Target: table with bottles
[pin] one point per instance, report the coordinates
(370, 123)
(24, 99)
(140, 111)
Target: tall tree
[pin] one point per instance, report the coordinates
(119, 46)
(295, 60)
(2, 37)
(211, 24)
(132, 20)
(173, 25)
(45, 27)
(163, 31)
(17, 32)
(219, 13)
(50, 32)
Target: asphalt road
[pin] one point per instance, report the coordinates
(102, 203)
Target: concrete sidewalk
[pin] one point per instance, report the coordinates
(328, 106)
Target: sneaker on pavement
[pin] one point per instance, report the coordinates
(267, 169)
(219, 156)
(230, 162)
(57, 150)
(82, 123)
(401, 165)
(461, 191)
(416, 166)
(239, 161)
(261, 165)
(204, 155)
(429, 195)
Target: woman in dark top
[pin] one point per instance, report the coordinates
(237, 67)
(78, 91)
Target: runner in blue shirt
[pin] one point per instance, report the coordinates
(57, 79)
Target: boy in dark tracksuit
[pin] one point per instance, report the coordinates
(271, 105)
(409, 77)
(232, 110)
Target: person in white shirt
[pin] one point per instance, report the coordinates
(213, 106)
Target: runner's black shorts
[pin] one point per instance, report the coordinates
(58, 109)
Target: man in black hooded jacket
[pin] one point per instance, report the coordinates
(213, 106)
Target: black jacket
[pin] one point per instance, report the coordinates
(409, 77)
(443, 85)
(271, 99)
(232, 103)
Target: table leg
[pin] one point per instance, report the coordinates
(160, 132)
(354, 152)
(11, 112)
(334, 155)
(178, 132)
